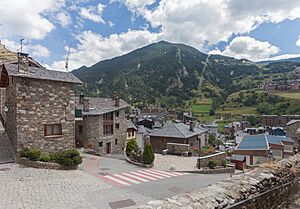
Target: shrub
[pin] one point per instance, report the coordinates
(34, 154)
(148, 155)
(212, 164)
(24, 152)
(131, 147)
(45, 158)
(68, 157)
(224, 163)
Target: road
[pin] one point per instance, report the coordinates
(132, 185)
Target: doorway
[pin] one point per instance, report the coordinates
(108, 148)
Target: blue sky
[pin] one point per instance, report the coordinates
(98, 30)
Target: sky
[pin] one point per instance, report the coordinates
(95, 30)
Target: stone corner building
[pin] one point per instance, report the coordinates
(101, 124)
(37, 106)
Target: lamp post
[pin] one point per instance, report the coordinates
(199, 151)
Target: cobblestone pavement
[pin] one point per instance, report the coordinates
(6, 155)
(180, 163)
(29, 188)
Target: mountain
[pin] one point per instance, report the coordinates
(296, 59)
(166, 73)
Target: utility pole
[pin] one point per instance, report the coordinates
(199, 153)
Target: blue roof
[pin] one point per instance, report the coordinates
(253, 142)
(260, 142)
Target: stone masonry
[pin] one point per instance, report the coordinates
(32, 104)
(92, 133)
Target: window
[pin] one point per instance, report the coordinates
(108, 116)
(116, 141)
(80, 129)
(100, 144)
(52, 129)
(117, 126)
(117, 113)
(108, 129)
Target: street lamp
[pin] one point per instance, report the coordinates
(199, 151)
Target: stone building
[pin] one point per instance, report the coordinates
(37, 107)
(101, 124)
(277, 120)
(293, 131)
(178, 133)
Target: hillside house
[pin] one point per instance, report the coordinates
(37, 106)
(257, 149)
(178, 133)
(101, 124)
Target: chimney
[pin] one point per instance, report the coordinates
(192, 126)
(115, 95)
(86, 105)
(81, 98)
(22, 62)
(117, 101)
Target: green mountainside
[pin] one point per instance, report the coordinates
(166, 74)
(180, 76)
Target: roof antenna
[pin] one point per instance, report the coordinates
(67, 58)
(21, 41)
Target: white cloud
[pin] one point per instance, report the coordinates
(33, 50)
(197, 22)
(248, 48)
(64, 19)
(93, 47)
(284, 56)
(26, 18)
(298, 41)
(93, 13)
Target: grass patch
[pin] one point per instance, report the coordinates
(237, 110)
(201, 108)
(289, 95)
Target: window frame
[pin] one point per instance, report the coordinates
(52, 130)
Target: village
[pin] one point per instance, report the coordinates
(46, 125)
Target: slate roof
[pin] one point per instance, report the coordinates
(177, 130)
(42, 74)
(130, 125)
(99, 106)
(260, 142)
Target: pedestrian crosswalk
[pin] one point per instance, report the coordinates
(140, 176)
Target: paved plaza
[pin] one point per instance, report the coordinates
(89, 188)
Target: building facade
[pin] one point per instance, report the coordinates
(293, 131)
(102, 125)
(39, 107)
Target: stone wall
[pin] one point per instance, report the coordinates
(175, 148)
(219, 157)
(34, 103)
(291, 131)
(265, 187)
(92, 133)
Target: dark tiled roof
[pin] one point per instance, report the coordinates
(177, 130)
(42, 74)
(99, 106)
(130, 125)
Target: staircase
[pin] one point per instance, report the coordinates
(6, 151)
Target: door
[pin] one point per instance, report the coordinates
(108, 148)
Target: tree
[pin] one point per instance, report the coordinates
(131, 147)
(148, 155)
(211, 112)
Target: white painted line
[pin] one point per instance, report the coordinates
(167, 173)
(127, 179)
(150, 174)
(179, 174)
(144, 176)
(117, 180)
(157, 173)
(134, 177)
